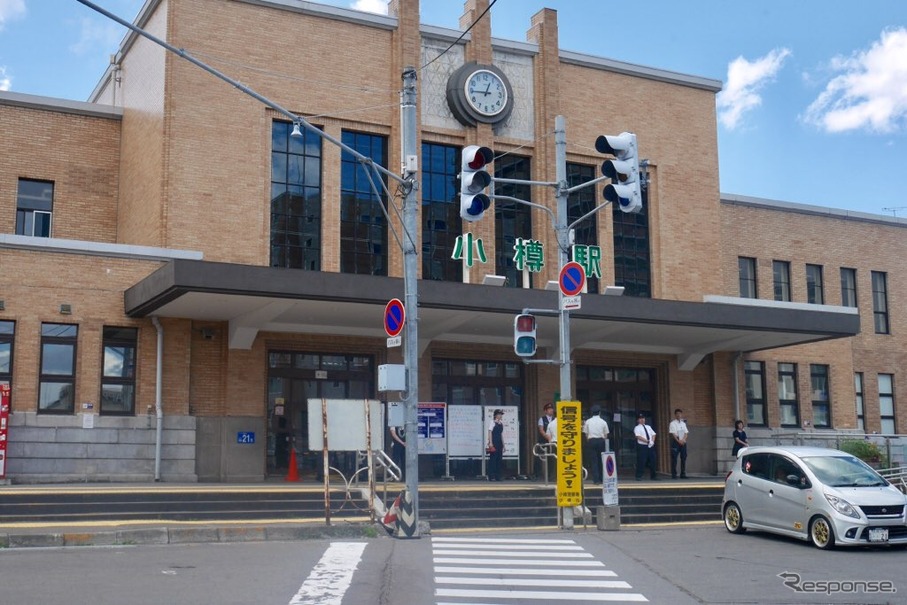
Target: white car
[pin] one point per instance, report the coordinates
(823, 495)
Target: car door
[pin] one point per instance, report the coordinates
(786, 504)
(752, 488)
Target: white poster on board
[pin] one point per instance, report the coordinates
(465, 433)
(511, 421)
(346, 424)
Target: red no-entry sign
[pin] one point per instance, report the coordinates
(394, 317)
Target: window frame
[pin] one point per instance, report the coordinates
(46, 378)
(28, 207)
(859, 400)
(781, 280)
(747, 277)
(789, 370)
(849, 288)
(753, 370)
(363, 246)
(109, 340)
(815, 285)
(817, 373)
(887, 396)
(880, 302)
(441, 222)
(512, 220)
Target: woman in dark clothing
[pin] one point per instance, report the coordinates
(495, 446)
(740, 441)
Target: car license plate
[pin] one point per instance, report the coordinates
(878, 534)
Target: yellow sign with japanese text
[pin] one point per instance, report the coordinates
(569, 453)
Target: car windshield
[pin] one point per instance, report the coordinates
(843, 471)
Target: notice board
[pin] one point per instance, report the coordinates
(465, 434)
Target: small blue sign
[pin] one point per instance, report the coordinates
(245, 437)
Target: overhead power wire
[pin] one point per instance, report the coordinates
(466, 31)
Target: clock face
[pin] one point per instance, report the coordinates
(486, 92)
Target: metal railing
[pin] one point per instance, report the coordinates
(897, 476)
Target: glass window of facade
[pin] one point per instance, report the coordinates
(754, 380)
(880, 301)
(815, 293)
(858, 392)
(34, 208)
(821, 399)
(579, 203)
(513, 220)
(118, 371)
(472, 382)
(886, 404)
(441, 222)
(746, 270)
(632, 258)
(57, 380)
(787, 394)
(295, 198)
(7, 338)
(781, 278)
(363, 227)
(848, 287)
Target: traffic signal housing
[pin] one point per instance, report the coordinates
(624, 171)
(524, 341)
(474, 178)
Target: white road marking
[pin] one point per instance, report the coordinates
(502, 541)
(538, 562)
(332, 575)
(549, 583)
(542, 554)
(507, 571)
(554, 597)
(499, 546)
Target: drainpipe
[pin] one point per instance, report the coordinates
(158, 410)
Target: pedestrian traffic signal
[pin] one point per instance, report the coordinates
(623, 172)
(524, 343)
(474, 178)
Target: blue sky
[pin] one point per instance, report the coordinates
(814, 108)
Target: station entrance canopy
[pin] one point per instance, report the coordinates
(254, 299)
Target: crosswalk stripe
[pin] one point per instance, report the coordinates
(531, 554)
(498, 546)
(502, 540)
(525, 595)
(548, 583)
(331, 576)
(507, 571)
(526, 562)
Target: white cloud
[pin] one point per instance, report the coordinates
(96, 34)
(5, 80)
(744, 80)
(369, 6)
(11, 9)
(870, 91)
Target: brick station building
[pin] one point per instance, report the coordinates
(169, 250)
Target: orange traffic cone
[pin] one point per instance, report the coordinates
(293, 473)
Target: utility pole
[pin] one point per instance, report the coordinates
(410, 285)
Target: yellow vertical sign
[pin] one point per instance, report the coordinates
(569, 453)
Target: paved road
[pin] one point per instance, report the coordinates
(676, 566)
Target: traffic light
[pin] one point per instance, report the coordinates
(473, 180)
(524, 343)
(623, 172)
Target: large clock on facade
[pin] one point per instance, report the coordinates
(479, 93)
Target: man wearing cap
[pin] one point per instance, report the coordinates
(596, 430)
(645, 447)
(679, 433)
(495, 445)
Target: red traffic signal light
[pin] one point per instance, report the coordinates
(524, 340)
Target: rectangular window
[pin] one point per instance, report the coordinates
(56, 392)
(441, 222)
(754, 378)
(858, 391)
(295, 198)
(821, 400)
(787, 394)
(363, 228)
(880, 301)
(118, 371)
(746, 269)
(815, 293)
(781, 277)
(886, 404)
(580, 203)
(512, 220)
(632, 258)
(7, 336)
(34, 208)
(848, 287)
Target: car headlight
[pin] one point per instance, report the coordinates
(842, 506)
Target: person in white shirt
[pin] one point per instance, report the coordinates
(596, 430)
(645, 447)
(679, 433)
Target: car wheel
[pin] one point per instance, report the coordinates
(821, 534)
(733, 518)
